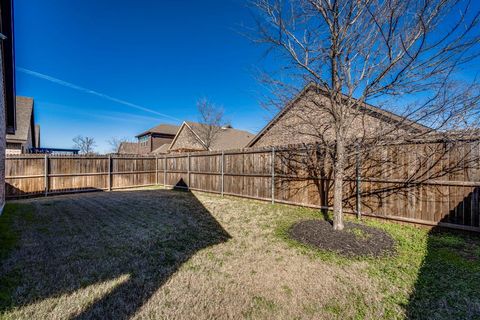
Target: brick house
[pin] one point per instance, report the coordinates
(302, 120)
(27, 134)
(7, 86)
(190, 138)
(154, 140)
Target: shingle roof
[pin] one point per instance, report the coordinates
(226, 139)
(162, 149)
(128, 148)
(24, 113)
(161, 128)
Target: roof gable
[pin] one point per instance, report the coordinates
(184, 128)
(162, 149)
(365, 107)
(226, 138)
(128, 148)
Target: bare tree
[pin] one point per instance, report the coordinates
(115, 143)
(86, 145)
(211, 119)
(406, 56)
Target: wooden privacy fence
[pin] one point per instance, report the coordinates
(429, 183)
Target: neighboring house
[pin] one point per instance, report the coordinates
(153, 140)
(27, 134)
(7, 86)
(190, 138)
(303, 121)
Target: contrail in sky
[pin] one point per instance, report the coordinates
(92, 92)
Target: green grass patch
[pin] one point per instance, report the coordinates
(13, 215)
(432, 275)
(333, 307)
(263, 303)
(260, 307)
(359, 233)
(9, 234)
(447, 240)
(288, 291)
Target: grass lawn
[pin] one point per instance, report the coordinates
(160, 254)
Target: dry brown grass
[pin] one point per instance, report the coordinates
(159, 254)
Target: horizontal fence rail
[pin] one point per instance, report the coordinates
(423, 183)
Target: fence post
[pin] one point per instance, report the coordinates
(156, 170)
(188, 171)
(273, 175)
(164, 171)
(109, 172)
(46, 174)
(223, 170)
(358, 182)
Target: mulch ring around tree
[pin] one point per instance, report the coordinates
(354, 240)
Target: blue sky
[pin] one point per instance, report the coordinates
(105, 68)
(155, 55)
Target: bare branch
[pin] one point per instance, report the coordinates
(86, 145)
(406, 56)
(211, 119)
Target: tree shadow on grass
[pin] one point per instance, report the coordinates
(82, 240)
(448, 283)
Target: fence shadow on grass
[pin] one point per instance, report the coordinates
(180, 185)
(448, 283)
(97, 237)
(14, 193)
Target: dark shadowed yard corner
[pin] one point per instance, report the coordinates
(160, 254)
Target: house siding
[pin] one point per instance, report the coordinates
(145, 146)
(148, 146)
(157, 142)
(151, 144)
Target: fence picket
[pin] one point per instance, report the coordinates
(46, 177)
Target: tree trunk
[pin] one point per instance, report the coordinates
(338, 183)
